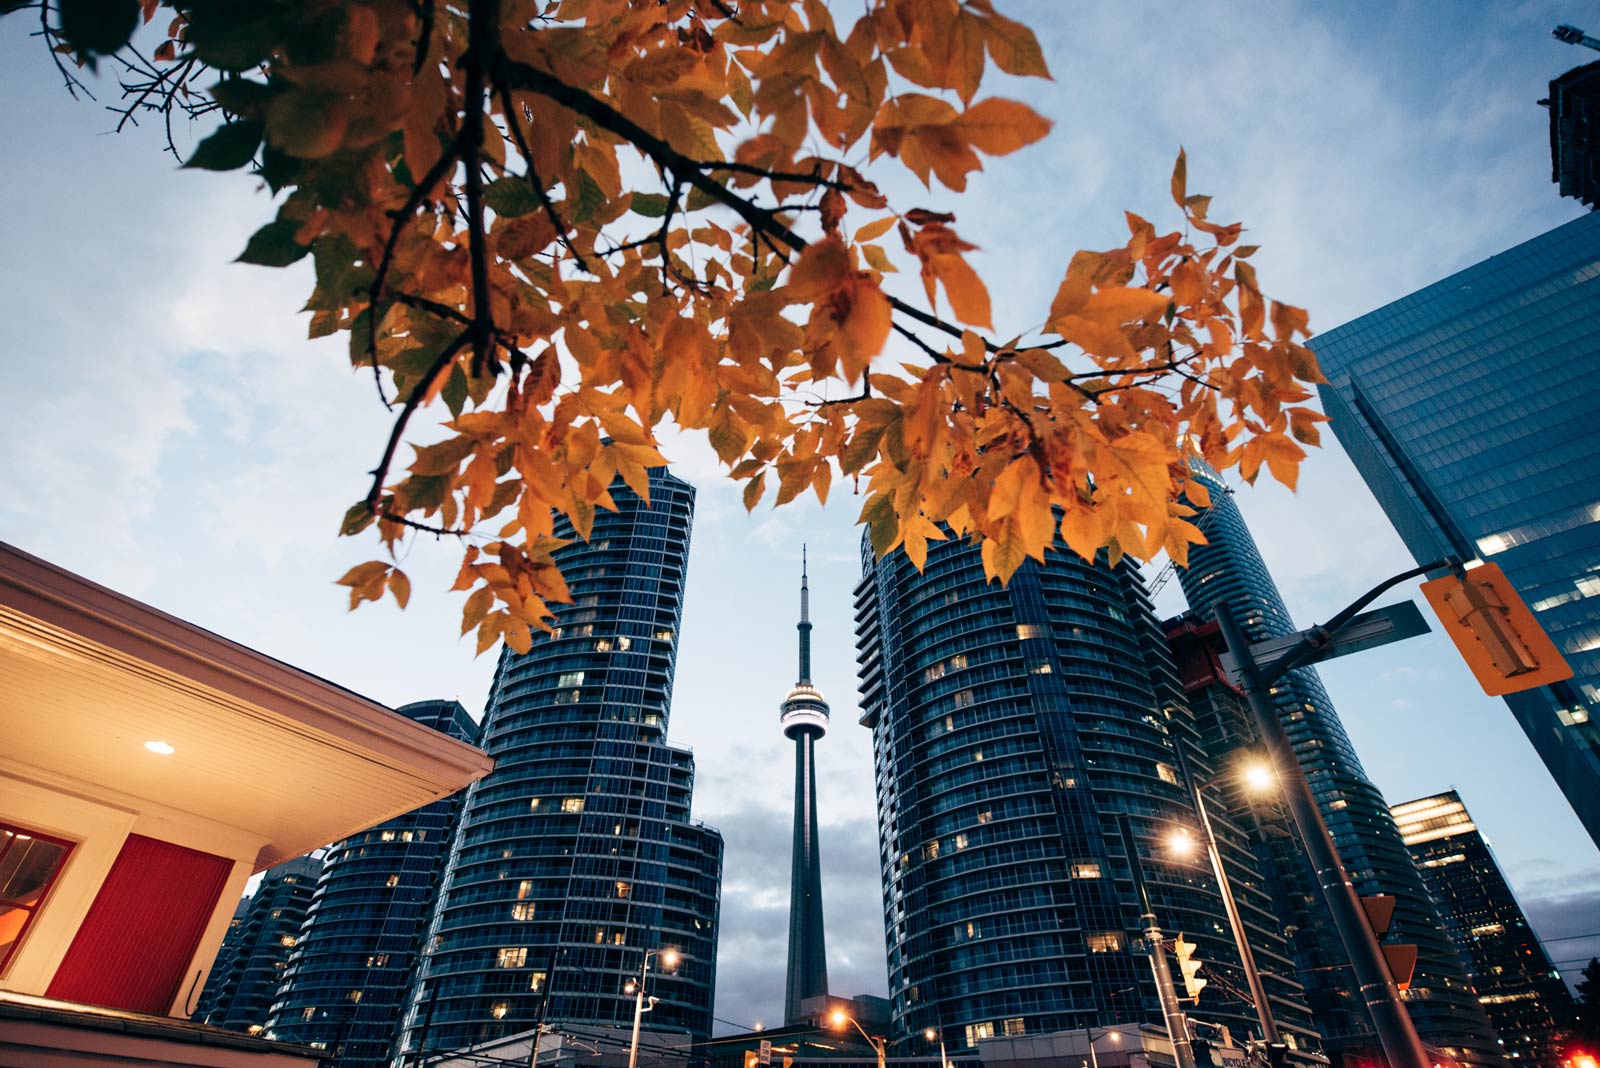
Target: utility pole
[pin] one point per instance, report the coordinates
(1389, 1018)
(1177, 1024)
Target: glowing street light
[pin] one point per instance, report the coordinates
(931, 1035)
(1181, 844)
(840, 1019)
(1258, 778)
(669, 959)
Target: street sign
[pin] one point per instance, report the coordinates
(766, 1051)
(1499, 638)
(1366, 631)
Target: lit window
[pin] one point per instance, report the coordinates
(522, 910)
(1025, 631)
(29, 864)
(524, 888)
(392, 881)
(386, 836)
(1015, 1026)
(536, 981)
(985, 816)
(664, 635)
(1166, 774)
(1487, 929)
(977, 1031)
(287, 940)
(533, 804)
(624, 889)
(310, 1011)
(569, 680)
(977, 756)
(963, 699)
(499, 1010)
(961, 842)
(931, 850)
(604, 645)
(1339, 804)
(1494, 543)
(511, 957)
(1104, 941)
(599, 936)
(1040, 667)
(958, 661)
(1088, 870)
(572, 804)
(619, 938)
(354, 995)
(933, 673)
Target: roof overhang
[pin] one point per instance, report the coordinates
(257, 745)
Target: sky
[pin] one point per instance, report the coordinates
(166, 429)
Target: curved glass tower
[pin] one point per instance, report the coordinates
(1441, 1001)
(576, 855)
(1011, 727)
(345, 986)
(805, 719)
(244, 980)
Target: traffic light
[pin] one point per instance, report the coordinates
(1401, 958)
(1188, 967)
(1495, 632)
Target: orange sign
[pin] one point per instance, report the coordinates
(1497, 635)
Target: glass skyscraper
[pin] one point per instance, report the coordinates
(1011, 726)
(1519, 987)
(255, 952)
(345, 985)
(1472, 409)
(576, 855)
(1229, 570)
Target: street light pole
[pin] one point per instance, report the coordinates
(1177, 1024)
(1269, 1026)
(878, 1044)
(669, 957)
(930, 1034)
(1395, 1031)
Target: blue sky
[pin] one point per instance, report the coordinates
(167, 430)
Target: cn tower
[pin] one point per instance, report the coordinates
(805, 719)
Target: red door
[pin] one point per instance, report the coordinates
(134, 947)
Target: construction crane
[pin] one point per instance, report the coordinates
(1572, 35)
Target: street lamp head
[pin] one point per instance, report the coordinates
(669, 958)
(928, 1034)
(1258, 778)
(839, 1018)
(1180, 843)
(1116, 1036)
(630, 986)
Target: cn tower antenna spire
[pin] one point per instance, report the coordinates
(805, 620)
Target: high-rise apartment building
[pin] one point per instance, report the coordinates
(345, 985)
(255, 952)
(1518, 986)
(576, 856)
(804, 716)
(1012, 726)
(1470, 408)
(1229, 570)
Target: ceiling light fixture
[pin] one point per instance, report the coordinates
(164, 748)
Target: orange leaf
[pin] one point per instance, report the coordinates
(999, 127)
(968, 296)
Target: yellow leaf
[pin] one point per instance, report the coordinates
(1115, 305)
(400, 586)
(875, 229)
(998, 127)
(1084, 529)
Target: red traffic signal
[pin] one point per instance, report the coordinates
(1497, 635)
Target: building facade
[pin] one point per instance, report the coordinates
(576, 856)
(347, 977)
(255, 952)
(1011, 727)
(1229, 570)
(1470, 409)
(804, 716)
(1518, 986)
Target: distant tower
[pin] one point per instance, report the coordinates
(805, 719)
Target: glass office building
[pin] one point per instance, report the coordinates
(1229, 570)
(1472, 409)
(1518, 986)
(1011, 727)
(576, 855)
(345, 985)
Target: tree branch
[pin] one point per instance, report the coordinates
(422, 389)
(514, 119)
(482, 44)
